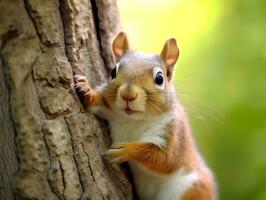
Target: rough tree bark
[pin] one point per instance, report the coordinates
(50, 148)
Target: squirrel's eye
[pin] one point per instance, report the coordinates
(113, 73)
(159, 78)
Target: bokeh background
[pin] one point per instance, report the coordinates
(220, 78)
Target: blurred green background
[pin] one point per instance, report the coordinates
(220, 78)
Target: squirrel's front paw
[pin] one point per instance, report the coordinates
(117, 153)
(83, 89)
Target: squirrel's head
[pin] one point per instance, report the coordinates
(141, 83)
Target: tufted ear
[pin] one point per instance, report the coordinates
(170, 54)
(120, 45)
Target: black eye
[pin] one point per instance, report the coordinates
(159, 78)
(113, 73)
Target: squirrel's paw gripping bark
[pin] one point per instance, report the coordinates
(83, 89)
(118, 153)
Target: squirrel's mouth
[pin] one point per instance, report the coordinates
(130, 111)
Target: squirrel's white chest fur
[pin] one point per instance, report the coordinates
(150, 130)
(151, 185)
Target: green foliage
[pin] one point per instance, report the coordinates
(231, 61)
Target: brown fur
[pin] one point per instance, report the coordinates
(203, 189)
(135, 78)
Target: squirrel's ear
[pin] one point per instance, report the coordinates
(120, 45)
(170, 54)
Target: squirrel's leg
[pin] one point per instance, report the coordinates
(148, 154)
(87, 95)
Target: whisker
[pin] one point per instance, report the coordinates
(195, 108)
(154, 106)
(201, 114)
(198, 101)
(194, 112)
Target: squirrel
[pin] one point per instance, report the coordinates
(149, 127)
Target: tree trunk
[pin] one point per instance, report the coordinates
(50, 148)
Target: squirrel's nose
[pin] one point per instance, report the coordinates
(128, 97)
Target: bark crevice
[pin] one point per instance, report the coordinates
(74, 153)
(8, 150)
(97, 26)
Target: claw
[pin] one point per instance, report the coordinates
(114, 152)
(82, 87)
(87, 93)
(112, 158)
(77, 85)
(79, 78)
(82, 79)
(117, 160)
(117, 153)
(118, 145)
